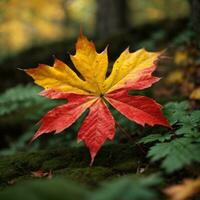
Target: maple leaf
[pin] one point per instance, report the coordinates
(131, 71)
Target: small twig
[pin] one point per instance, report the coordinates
(129, 137)
(141, 149)
(124, 131)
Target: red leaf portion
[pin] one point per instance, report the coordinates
(63, 116)
(98, 126)
(140, 109)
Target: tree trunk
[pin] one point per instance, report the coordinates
(195, 16)
(111, 17)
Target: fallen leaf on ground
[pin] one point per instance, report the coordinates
(185, 190)
(40, 173)
(11, 182)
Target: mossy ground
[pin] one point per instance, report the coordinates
(112, 161)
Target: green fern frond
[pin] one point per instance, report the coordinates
(175, 154)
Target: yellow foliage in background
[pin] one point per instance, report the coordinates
(32, 22)
(195, 94)
(181, 57)
(27, 23)
(175, 77)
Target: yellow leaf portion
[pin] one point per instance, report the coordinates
(60, 77)
(92, 65)
(127, 67)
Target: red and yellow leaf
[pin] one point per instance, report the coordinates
(131, 71)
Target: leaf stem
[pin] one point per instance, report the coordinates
(124, 131)
(129, 137)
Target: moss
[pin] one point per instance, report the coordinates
(73, 157)
(73, 162)
(90, 176)
(126, 167)
(114, 154)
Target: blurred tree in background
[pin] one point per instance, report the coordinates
(195, 9)
(111, 17)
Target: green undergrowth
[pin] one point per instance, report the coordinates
(178, 147)
(130, 187)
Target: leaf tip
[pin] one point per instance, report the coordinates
(92, 155)
(91, 162)
(32, 140)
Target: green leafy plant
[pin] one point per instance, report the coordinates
(125, 188)
(129, 188)
(22, 101)
(21, 106)
(180, 146)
